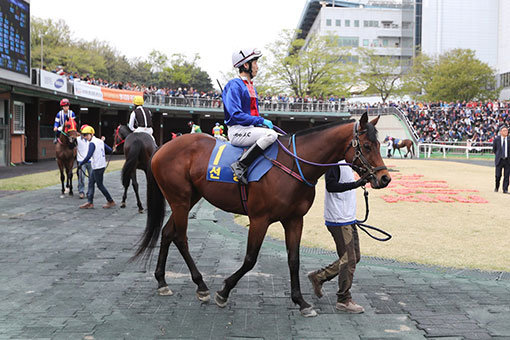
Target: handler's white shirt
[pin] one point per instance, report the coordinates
(98, 157)
(340, 207)
(83, 148)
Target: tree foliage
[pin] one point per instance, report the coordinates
(100, 60)
(306, 67)
(383, 74)
(456, 75)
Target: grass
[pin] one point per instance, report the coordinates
(44, 179)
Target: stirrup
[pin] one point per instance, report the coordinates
(239, 171)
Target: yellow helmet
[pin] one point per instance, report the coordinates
(138, 100)
(88, 129)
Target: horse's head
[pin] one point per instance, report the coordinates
(70, 129)
(121, 132)
(365, 154)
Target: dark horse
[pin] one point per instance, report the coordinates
(178, 172)
(401, 144)
(138, 149)
(66, 154)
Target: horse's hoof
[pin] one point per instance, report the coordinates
(123, 205)
(71, 194)
(140, 211)
(165, 291)
(308, 312)
(203, 296)
(220, 300)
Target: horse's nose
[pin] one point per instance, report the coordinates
(385, 180)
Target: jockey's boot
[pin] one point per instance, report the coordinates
(55, 139)
(241, 165)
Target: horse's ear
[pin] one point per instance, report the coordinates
(375, 120)
(363, 121)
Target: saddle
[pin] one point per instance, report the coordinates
(224, 154)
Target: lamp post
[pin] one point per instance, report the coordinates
(41, 36)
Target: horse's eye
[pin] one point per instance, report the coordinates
(367, 146)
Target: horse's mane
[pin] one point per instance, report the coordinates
(323, 127)
(371, 129)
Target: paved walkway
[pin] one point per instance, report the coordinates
(65, 275)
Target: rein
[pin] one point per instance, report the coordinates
(119, 143)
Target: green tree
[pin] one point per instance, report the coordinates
(382, 74)
(317, 66)
(184, 72)
(419, 76)
(56, 36)
(459, 75)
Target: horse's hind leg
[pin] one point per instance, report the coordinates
(167, 237)
(256, 234)
(134, 182)
(124, 196)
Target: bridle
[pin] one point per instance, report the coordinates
(116, 137)
(367, 170)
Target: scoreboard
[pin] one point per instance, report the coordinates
(15, 36)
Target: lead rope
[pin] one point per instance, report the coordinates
(362, 225)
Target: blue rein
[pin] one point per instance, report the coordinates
(297, 162)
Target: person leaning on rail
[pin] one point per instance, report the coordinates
(340, 217)
(241, 108)
(96, 154)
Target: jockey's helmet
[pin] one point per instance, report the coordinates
(239, 58)
(138, 100)
(64, 102)
(87, 129)
(191, 123)
(217, 124)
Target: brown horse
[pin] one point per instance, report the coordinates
(179, 174)
(138, 149)
(66, 154)
(401, 144)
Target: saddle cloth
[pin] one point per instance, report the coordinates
(224, 154)
(397, 141)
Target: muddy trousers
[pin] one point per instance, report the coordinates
(347, 247)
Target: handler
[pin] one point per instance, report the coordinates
(242, 117)
(82, 150)
(340, 216)
(96, 154)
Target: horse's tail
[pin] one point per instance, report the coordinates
(155, 217)
(131, 161)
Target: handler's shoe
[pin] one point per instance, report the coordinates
(316, 283)
(109, 205)
(350, 307)
(87, 206)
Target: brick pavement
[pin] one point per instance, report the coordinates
(65, 275)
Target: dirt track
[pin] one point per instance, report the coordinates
(456, 234)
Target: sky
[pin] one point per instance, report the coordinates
(212, 28)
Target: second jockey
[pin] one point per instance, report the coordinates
(240, 104)
(61, 118)
(140, 119)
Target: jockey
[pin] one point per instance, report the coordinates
(217, 131)
(61, 118)
(194, 127)
(240, 104)
(140, 119)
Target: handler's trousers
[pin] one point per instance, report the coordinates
(347, 247)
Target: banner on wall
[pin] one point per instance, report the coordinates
(88, 91)
(119, 96)
(53, 81)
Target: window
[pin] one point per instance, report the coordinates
(365, 42)
(328, 22)
(347, 23)
(385, 42)
(338, 22)
(356, 23)
(348, 41)
(19, 118)
(406, 25)
(370, 23)
(375, 43)
(505, 79)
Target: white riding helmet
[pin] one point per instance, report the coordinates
(239, 58)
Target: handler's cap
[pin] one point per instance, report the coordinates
(88, 129)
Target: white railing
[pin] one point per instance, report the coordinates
(445, 148)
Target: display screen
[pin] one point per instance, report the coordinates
(15, 36)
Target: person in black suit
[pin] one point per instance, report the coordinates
(502, 151)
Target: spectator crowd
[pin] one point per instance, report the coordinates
(477, 122)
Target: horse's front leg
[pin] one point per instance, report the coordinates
(293, 229)
(256, 234)
(70, 180)
(62, 181)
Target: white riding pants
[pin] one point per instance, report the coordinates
(240, 135)
(145, 130)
